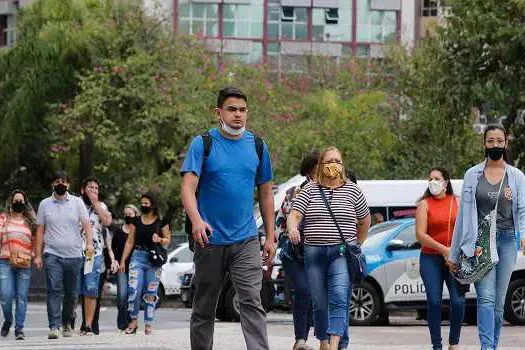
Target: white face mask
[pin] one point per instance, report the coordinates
(436, 187)
(231, 131)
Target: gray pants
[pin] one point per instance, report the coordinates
(243, 262)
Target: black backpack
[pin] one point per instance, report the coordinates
(207, 141)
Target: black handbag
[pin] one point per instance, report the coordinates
(355, 258)
(158, 255)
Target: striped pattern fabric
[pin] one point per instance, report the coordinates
(348, 204)
(18, 236)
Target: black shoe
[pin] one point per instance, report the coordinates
(5, 329)
(87, 331)
(19, 335)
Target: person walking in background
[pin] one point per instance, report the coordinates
(117, 238)
(325, 260)
(17, 227)
(435, 218)
(492, 184)
(144, 231)
(99, 218)
(59, 222)
(222, 220)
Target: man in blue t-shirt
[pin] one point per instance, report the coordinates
(222, 220)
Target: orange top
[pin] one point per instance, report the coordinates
(441, 218)
(15, 237)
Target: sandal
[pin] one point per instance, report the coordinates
(148, 330)
(130, 330)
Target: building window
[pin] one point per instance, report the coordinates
(254, 56)
(374, 26)
(243, 21)
(429, 8)
(198, 19)
(333, 24)
(287, 23)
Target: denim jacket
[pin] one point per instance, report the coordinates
(466, 229)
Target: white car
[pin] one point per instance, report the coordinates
(180, 261)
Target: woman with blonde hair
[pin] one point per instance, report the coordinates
(325, 260)
(17, 228)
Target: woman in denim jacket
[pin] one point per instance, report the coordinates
(478, 197)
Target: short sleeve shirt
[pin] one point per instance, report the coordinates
(61, 219)
(348, 204)
(98, 230)
(226, 184)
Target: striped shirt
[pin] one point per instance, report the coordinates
(18, 236)
(348, 205)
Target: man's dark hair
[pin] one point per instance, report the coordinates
(87, 180)
(309, 162)
(228, 92)
(61, 174)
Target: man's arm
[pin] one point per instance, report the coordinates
(103, 213)
(190, 182)
(86, 225)
(39, 243)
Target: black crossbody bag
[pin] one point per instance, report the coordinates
(158, 255)
(355, 258)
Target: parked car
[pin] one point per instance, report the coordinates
(180, 261)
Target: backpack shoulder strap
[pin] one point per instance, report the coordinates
(259, 147)
(207, 140)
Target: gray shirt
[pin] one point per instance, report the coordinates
(62, 230)
(486, 194)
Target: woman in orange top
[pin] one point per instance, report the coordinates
(17, 226)
(435, 218)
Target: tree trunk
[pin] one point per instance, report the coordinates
(85, 167)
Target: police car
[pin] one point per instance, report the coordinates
(394, 282)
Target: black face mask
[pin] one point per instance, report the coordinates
(494, 153)
(60, 189)
(145, 210)
(18, 207)
(86, 199)
(128, 219)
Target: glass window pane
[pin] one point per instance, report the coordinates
(257, 12)
(256, 30)
(376, 18)
(274, 47)
(229, 28)
(376, 34)
(286, 30)
(243, 11)
(212, 11)
(243, 29)
(229, 11)
(273, 30)
(363, 33)
(212, 28)
(184, 10)
(300, 31)
(318, 33)
(197, 27)
(300, 14)
(274, 13)
(389, 18)
(198, 10)
(184, 26)
(318, 17)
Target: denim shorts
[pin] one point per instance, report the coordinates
(90, 281)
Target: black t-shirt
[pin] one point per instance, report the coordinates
(144, 233)
(118, 243)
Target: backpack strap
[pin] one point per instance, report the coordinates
(259, 147)
(207, 141)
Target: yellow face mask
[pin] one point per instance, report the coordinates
(333, 171)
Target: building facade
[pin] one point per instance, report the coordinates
(8, 10)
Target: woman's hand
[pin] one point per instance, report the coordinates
(156, 238)
(122, 266)
(295, 236)
(114, 266)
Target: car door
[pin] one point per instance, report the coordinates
(403, 278)
(179, 262)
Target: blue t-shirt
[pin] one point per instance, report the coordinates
(226, 184)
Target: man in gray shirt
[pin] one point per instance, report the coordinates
(58, 231)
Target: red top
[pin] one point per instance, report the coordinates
(441, 218)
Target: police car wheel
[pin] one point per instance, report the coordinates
(515, 302)
(365, 308)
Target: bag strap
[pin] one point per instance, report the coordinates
(331, 213)
(452, 201)
(500, 187)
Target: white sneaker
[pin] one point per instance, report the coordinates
(300, 344)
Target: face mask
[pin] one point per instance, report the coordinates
(435, 187)
(18, 207)
(60, 189)
(333, 171)
(495, 153)
(128, 219)
(144, 209)
(232, 131)
(86, 199)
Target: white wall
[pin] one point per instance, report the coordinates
(408, 23)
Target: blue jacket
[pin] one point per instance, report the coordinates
(466, 229)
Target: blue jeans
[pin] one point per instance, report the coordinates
(62, 276)
(492, 289)
(122, 300)
(143, 282)
(434, 272)
(14, 283)
(329, 283)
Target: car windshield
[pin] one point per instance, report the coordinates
(378, 232)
